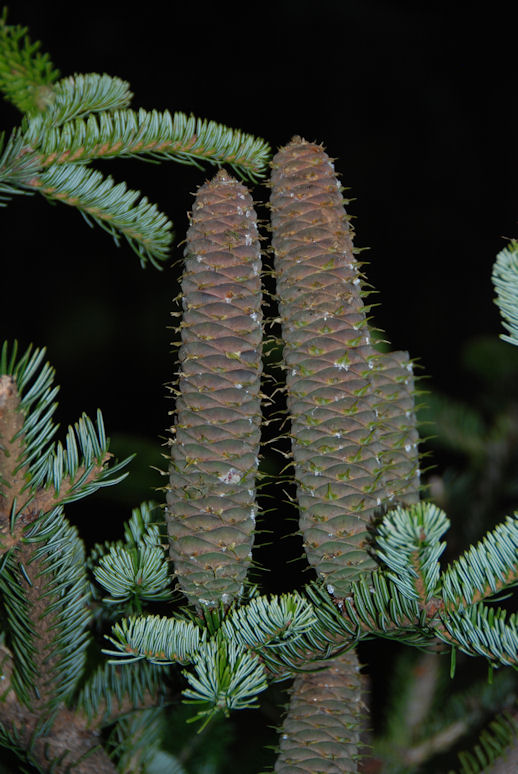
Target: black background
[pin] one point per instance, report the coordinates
(416, 101)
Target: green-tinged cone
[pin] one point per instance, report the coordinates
(321, 732)
(394, 405)
(329, 360)
(211, 498)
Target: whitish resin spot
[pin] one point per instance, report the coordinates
(331, 589)
(232, 476)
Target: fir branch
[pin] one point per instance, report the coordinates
(421, 725)
(154, 134)
(492, 752)
(482, 631)
(454, 425)
(135, 740)
(414, 679)
(134, 570)
(409, 544)
(26, 425)
(80, 94)
(227, 678)
(505, 281)
(161, 640)
(139, 572)
(36, 475)
(114, 689)
(77, 470)
(26, 75)
(374, 605)
(60, 593)
(18, 166)
(11, 739)
(267, 623)
(112, 206)
(484, 569)
(20, 630)
(70, 746)
(44, 593)
(141, 526)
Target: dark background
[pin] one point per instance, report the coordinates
(417, 102)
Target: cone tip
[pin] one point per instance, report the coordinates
(222, 176)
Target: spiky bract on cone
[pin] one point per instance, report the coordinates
(321, 732)
(211, 497)
(329, 357)
(394, 405)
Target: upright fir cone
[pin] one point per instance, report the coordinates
(321, 732)
(214, 457)
(329, 360)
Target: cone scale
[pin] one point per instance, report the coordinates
(214, 455)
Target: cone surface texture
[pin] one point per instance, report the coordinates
(321, 732)
(394, 406)
(214, 457)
